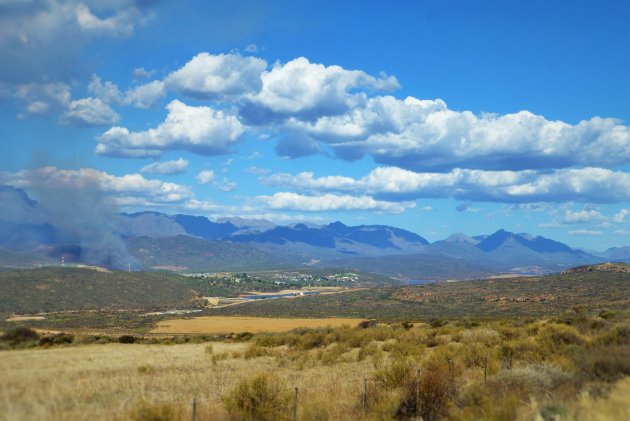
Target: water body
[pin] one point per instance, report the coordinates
(419, 281)
(268, 296)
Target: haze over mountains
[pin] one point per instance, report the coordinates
(152, 240)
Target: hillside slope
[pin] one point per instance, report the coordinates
(186, 253)
(529, 296)
(57, 289)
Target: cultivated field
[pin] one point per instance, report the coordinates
(218, 324)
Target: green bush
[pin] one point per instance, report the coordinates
(367, 350)
(435, 323)
(396, 373)
(429, 394)
(261, 398)
(605, 363)
(535, 379)
(365, 324)
(254, 350)
(58, 339)
(20, 334)
(126, 339)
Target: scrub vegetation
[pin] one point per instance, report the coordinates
(572, 366)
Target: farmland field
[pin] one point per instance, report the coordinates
(218, 324)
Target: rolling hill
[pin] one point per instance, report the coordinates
(517, 297)
(184, 253)
(57, 289)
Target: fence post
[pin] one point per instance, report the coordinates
(194, 409)
(365, 402)
(295, 400)
(485, 369)
(417, 391)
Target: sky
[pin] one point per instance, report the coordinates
(437, 117)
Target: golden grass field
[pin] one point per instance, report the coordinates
(535, 371)
(106, 382)
(218, 324)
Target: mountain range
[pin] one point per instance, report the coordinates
(186, 242)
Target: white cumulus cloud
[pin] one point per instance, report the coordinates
(585, 232)
(201, 130)
(41, 98)
(45, 38)
(330, 202)
(178, 166)
(302, 88)
(147, 95)
(620, 217)
(589, 185)
(205, 177)
(208, 76)
(425, 135)
(89, 112)
(124, 190)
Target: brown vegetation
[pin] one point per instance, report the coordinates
(217, 324)
(554, 368)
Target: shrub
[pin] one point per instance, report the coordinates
(435, 323)
(367, 350)
(556, 337)
(332, 354)
(476, 404)
(429, 395)
(483, 336)
(623, 335)
(219, 357)
(535, 379)
(367, 324)
(255, 350)
(605, 363)
(58, 339)
(264, 397)
(311, 340)
(145, 369)
(154, 411)
(396, 373)
(20, 334)
(126, 339)
(243, 337)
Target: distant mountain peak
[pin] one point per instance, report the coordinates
(538, 244)
(337, 224)
(461, 238)
(20, 194)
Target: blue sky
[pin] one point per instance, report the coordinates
(438, 117)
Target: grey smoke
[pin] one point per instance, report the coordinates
(81, 215)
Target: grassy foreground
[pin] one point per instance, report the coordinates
(570, 367)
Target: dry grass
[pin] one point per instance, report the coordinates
(112, 381)
(218, 325)
(612, 407)
(538, 369)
